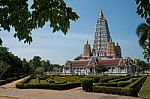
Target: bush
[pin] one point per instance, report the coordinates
(50, 80)
(96, 79)
(121, 79)
(103, 80)
(133, 79)
(106, 84)
(64, 86)
(136, 85)
(123, 83)
(87, 84)
(113, 90)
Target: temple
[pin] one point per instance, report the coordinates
(104, 51)
(103, 44)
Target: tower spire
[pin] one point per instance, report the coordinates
(101, 14)
(87, 42)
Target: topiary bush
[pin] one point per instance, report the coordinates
(87, 84)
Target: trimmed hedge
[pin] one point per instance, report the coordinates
(131, 89)
(64, 86)
(121, 79)
(137, 85)
(59, 86)
(124, 83)
(103, 79)
(113, 90)
(106, 84)
(87, 84)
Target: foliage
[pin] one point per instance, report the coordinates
(143, 30)
(123, 83)
(129, 87)
(57, 68)
(63, 86)
(98, 79)
(45, 64)
(143, 65)
(1, 42)
(26, 66)
(100, 68)
(121, 79)
(52, 85)
(112, 84)
(113, 90)
(13, 61)
(24, 18)
(143, 7)
(39, 70)
(87, 84)
(3, 68)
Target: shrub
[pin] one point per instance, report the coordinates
(64, 86)
(103, 80)
(87, 84)
(62, 82)
(121, 79)
(123, 83)
(133, 79)
(96, 79)
(136, 85)
(106, 84)
(113, 90)
(50, 80)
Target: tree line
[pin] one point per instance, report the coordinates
(12, 66)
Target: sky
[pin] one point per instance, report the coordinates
(58, 48)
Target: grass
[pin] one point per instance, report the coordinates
(145, 91)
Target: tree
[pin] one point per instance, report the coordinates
(1, 42)
(143, 65)
(100, 68)
(57, 68)
(35, 62)
(26, 66)
(143, 7)
(143, 32)
(18, 14)
(147, 54)
(3, 68)
(39, 70)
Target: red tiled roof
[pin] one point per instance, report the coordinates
(79, 63)
(110, 62)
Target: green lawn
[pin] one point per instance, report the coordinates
(145, 91)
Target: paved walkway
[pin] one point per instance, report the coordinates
(12, 84)
(9, 91)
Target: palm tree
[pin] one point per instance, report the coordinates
(143, 33)
(147, 54)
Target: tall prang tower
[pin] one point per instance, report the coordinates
(101, 37)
